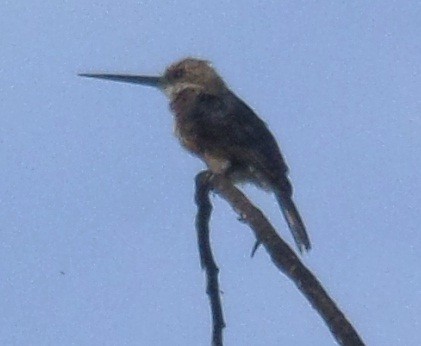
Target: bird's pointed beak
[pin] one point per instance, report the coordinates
(153, 81)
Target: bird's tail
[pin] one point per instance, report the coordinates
(294, 221)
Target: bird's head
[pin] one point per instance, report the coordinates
(191, 73)
(187, 73)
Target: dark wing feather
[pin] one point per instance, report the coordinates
(227, 126)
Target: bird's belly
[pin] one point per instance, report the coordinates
(188, 141)
(218, 160)
(215, 162)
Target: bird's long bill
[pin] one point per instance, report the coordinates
(153, 81)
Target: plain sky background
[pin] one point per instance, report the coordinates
(97, 244)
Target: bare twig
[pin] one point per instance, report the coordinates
(281, 254)
(207, 261)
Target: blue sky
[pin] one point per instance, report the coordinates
(97, 245)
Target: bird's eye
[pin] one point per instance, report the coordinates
(179, 73)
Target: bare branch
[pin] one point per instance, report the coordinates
(285, 259)
(207, 261)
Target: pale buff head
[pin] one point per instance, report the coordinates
(192, 73)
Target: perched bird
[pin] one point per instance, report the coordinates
(217, 126)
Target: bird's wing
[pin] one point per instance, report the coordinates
(227, 126)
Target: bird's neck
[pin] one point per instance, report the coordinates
(183, 101)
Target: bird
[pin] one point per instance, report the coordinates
(214, 124)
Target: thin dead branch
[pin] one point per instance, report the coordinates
(281, 254)
(204, 210)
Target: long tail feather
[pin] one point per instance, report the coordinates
(295, 223)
